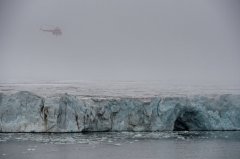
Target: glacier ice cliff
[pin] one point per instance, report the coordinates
(25, 111)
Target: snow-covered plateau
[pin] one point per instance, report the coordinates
(64, 108)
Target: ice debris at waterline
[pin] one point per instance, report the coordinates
(25, 111)
(116, 138)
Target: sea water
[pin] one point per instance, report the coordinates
(120, 145)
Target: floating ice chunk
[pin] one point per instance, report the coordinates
(31, 149)
(137, 136)
(117, 144)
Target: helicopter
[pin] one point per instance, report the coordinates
(55, 31)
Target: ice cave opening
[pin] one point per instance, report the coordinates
(189, 120)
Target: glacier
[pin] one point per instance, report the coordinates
(28, 111)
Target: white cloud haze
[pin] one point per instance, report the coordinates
(196, 41)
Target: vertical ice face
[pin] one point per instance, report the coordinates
(27, 112)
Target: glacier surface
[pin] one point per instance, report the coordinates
(25, 111)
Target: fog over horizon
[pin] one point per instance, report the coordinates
(120, 40)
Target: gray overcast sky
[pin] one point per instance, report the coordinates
(195, 41)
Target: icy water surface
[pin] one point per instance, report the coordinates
(148, 145)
